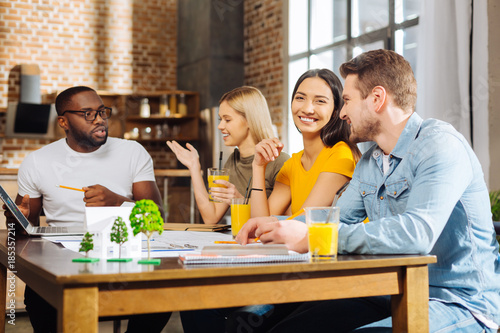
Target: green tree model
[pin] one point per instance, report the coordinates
(87, 244)
(119, 233)
(146, 218)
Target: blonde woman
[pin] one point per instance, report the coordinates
(244, 121)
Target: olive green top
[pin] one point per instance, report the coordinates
(240, 170)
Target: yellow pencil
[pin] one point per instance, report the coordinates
(233, 242)
(296, 214)
(71, 188)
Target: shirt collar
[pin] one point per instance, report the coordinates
(409, 134)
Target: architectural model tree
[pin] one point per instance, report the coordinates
(86, 245)
(119, 234)
(146, 218)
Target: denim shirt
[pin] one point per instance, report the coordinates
(433, 200)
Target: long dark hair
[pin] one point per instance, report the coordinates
(336, 129)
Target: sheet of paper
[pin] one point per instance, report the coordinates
(168, 244)
(173, 243)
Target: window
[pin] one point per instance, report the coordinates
(326, 33)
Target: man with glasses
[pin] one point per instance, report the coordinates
(109, 170)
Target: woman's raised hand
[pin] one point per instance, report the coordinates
(266, 151)
(189, 158)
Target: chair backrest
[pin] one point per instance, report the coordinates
(497, 227)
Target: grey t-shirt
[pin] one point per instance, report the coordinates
(241, 170)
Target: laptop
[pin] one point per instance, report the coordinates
(33, 230)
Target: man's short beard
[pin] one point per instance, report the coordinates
(370, 130)
(87, 140)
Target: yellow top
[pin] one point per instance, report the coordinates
(337, 159)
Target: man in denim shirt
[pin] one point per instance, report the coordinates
(422, 188)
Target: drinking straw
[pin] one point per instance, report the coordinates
(220, 160)
(246, 191)
(250, 193)
(337, 195)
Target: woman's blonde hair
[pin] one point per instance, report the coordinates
(251, 104)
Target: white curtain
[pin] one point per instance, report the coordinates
(443, 68)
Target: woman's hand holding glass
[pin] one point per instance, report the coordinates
(266, 151)
(224, 194)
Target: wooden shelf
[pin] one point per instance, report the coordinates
(163, 140)
(184, 127)
(157, 119)
(176, 126)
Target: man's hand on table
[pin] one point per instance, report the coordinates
(270, 230)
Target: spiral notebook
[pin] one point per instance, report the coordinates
(195, 227)
(192, 258)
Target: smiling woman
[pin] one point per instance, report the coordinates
(312, 176)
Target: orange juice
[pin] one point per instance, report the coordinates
(240, 213)
(323, 238)
(212, 184)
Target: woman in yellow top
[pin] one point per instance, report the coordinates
(312, 176)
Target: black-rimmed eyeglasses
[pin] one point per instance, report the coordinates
(91, 115)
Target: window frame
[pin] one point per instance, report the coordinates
(385, 34)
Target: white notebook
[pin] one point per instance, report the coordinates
(192, 258)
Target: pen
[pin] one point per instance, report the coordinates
(70, 188)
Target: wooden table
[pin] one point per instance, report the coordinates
(83, 292)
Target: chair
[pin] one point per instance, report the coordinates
(497, 227)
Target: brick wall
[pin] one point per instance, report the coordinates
(264, 59)
(115, 45)
(121, 46)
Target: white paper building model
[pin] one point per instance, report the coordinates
(99, 221)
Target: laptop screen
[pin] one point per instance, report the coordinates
(12, 207)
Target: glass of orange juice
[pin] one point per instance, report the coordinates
(216, 174)
(323, 226)
(240, 213)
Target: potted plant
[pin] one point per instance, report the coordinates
(146, 218)
(86, 245)
(495, 211)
